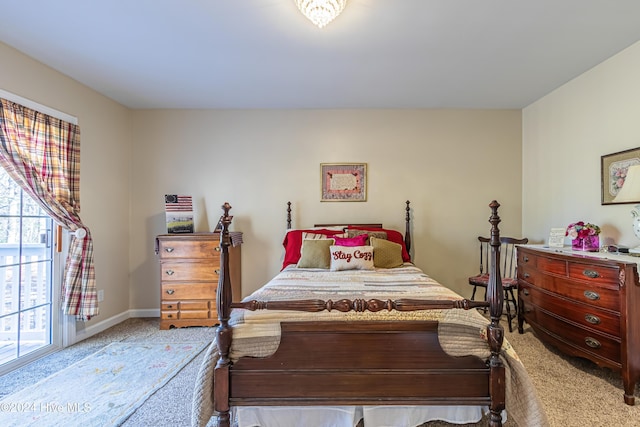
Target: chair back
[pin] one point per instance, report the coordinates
(508, 256)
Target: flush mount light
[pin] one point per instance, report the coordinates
(321, 12)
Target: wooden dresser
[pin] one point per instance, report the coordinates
(189, 269)
(585, 304)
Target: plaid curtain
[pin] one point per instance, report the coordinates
(42, 154)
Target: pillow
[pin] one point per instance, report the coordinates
(386, 254)
(370, 234)
(351, 241)
(293, 243)
(315, 236)
(392, 236)
(351, 258)
(315, 253)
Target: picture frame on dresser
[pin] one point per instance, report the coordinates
(613, 169)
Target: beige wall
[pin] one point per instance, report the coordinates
(564, 136)
(449, 163)
(105, 166)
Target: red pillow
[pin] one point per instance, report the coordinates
(359, 240)
(392, 236)
(293, 242)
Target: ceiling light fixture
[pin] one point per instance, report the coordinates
(321, 12)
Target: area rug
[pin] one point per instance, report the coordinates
(103, 389)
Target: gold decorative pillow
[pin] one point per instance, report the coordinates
(377, 234)
(315, 253)
(386, 254)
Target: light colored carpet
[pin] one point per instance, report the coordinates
(102, 389)
(574, 392)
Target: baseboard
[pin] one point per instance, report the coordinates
(84, 333)
(145, 312)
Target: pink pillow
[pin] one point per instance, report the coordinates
(359, 240)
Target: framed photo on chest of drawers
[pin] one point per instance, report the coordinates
(586, 305)
(189, 274)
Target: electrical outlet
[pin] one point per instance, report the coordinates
(100, 295)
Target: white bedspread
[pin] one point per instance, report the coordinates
(461, 332)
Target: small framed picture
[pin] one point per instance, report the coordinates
(614, 172)
(556, 237)
(343, 182)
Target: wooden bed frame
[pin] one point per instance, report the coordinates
(358, 363)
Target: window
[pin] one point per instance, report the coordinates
(27, 263)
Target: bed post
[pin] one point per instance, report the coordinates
(288, 215)
(223, 332)
(407, 230)
(495, 331)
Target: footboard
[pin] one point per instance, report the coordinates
(360, 362)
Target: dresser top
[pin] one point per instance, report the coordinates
(627, 259)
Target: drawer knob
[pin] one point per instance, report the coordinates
(592, 274)
(217, 271)
(168, 249)
(592, 342)
(217, 249)
(170, 306)
(593, 296)
(594, 320)
(525, 291)
(169, 272)
(525, 258)
(170, 291)
(527, 275)
(169, 316)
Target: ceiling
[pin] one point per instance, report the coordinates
(265, 54)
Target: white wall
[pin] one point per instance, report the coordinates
(450, 164)
(105, 169)
(564, 136)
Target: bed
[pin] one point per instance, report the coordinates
(342, 346)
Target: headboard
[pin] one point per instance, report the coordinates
(407, 232)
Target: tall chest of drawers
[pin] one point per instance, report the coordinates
(189, 274)
(587, 305)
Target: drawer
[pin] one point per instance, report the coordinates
(169, 315)
(528, 273)
(586, 293)
(603, 276)
(585, 315)
(194, 314)
(526, 259)
(588, 341)
(188, 249)
(195, 305)
(189, 271)
(188, 291)
(169, 306)
(551, 265)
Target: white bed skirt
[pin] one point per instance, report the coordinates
(349, 416)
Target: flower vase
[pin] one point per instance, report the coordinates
(587, 244)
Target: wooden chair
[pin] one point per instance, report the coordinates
(508, 271)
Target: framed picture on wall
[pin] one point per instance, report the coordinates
(343, 182)
(614, 169)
